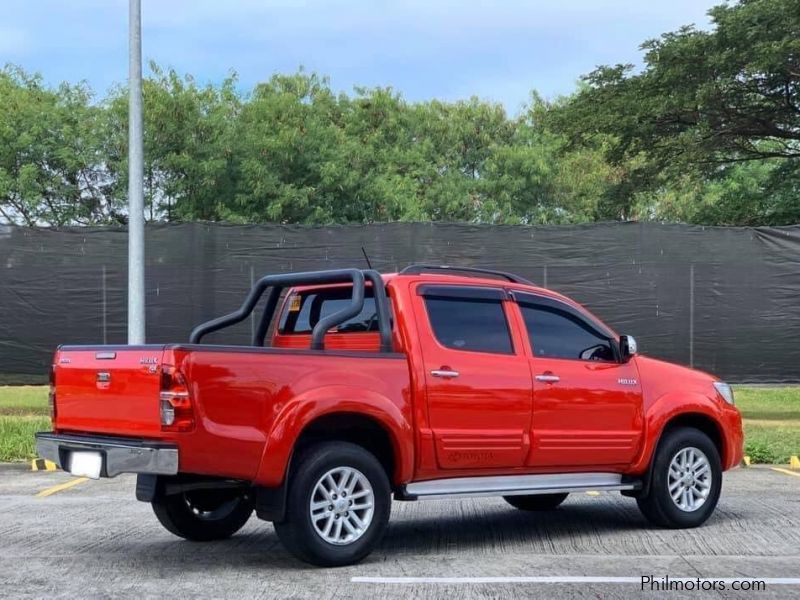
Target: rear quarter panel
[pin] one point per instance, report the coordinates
(252, 404)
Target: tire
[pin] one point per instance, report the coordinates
(320, 474)
(688, 483)
(536, 502)
(204, 515)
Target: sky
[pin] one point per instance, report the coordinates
(497, 50)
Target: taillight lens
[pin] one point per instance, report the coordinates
(176, 402)
(51, 396)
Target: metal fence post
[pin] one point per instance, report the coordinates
(691, 315)
(105, 306)
(136, 311)
(252, 314)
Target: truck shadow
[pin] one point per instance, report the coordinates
(587, 526)
(570, 527)
(573, 528)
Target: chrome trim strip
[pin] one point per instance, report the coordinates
(518, 485)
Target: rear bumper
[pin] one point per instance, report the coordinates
(119, 455)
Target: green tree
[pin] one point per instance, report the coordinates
(707, 131)
(289, 135)
(705, 100)
(49, 154)
(189, 139)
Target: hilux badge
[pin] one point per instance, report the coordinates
(148, 360)
(624, 381)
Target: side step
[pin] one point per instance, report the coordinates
(518, 485)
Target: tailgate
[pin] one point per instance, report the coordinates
(108, 389)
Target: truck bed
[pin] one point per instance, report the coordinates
(244, 399)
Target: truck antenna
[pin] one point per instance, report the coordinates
(364, 252)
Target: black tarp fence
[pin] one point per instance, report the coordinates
(725, 300)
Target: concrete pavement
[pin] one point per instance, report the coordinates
(93, 539)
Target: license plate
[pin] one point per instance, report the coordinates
(86, 464)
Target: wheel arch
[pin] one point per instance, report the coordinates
(366, 430)
(702, 422)
(670, 412)
(333, 414)
(357, 428)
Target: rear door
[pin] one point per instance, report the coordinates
(587, 406)
(108, 389)
(477, 378)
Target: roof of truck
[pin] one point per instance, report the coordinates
(452, 278)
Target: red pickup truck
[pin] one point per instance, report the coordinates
(358, 387)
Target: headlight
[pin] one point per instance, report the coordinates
(725, 391)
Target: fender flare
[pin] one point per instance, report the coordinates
(668, 407)
(305, 408)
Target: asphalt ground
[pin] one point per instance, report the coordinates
(93, 539)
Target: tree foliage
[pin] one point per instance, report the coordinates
(707, 131)
(706, 103)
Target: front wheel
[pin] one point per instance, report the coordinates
(204, 515)
(686, 480)
(338, 505)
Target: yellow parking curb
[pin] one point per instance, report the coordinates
(794, 462)
(40, 464)
(787, 471)
(746, 461)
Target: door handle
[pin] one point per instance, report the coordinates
(548, 378)
(446, 373)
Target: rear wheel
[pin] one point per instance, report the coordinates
(338, 505)
(204, 515)
(686, 480)
(536, 502)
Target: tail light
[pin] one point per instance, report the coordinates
(51, 396)
(176, 402)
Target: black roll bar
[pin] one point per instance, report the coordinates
(382, 308)
(278, 282)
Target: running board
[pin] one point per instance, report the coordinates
(518, 485)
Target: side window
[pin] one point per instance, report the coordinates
(559, 334)
(467, 324)
(303, 311)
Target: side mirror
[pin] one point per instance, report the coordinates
(627, 347)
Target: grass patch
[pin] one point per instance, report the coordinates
(21, 400)
(771, 421)
(16, 436)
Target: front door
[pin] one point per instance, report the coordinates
(587, 405)
(477, 377)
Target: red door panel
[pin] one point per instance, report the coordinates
(592, 415)
(479, 402)
(587, 406)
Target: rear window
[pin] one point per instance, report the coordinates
(470, 324)
(302, 311)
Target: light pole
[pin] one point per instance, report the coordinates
(135, 178)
